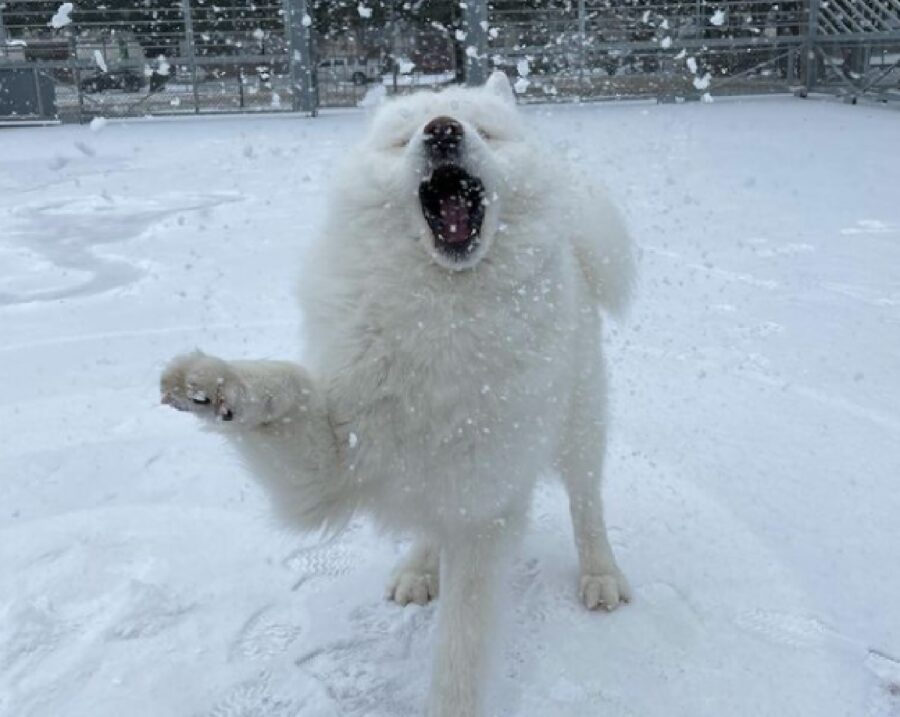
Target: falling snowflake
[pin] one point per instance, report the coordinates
(666, 43)
(701, 83)
(718, 18)
(364, 12)
(523, 68)
(100, 60)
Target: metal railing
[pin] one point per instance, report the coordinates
(130, 57)
(853, 48)
(157, 57)
(593, 50)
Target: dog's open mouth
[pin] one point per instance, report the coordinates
(453, 204)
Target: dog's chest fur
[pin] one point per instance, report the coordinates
(436, 381)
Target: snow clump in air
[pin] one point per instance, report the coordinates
(100, 60)
(61, 18)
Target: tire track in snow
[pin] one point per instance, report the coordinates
(884, 697)
(107, 335)
(66, 234)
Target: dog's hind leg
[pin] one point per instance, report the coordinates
(276, 418)
(470, 567)
(602, 584)
(416, 577)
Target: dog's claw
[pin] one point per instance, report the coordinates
(169, 399)
(199, 384)
(604, 591)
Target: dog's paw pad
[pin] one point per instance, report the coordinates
(413, 586)
(201, 384)
(604, 591)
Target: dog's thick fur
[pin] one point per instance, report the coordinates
(440, 388)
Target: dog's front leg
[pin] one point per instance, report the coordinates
(469, 575)
(277, 419)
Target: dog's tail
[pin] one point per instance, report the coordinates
(605, 254)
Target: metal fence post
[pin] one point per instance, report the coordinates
(810, 60)
(192, 55)
(36, 76)
(582, 42)
(475, 23)
(303, 93)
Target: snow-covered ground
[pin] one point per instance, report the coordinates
(754, 473)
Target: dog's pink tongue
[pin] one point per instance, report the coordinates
(455, 219)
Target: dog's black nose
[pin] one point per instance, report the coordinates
(443, 135)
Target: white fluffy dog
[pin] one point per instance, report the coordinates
(453, 310)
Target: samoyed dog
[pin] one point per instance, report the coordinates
(453, 306)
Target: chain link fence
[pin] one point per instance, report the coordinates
(74, 61)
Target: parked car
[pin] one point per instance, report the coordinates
(124, 79)
(359, 71)
(118, 60)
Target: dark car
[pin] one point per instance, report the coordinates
(127, 80)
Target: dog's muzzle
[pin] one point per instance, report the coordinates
(452, 199)
(443, 139)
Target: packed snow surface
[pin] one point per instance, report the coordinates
(753, 470)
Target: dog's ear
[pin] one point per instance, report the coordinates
(498, 84)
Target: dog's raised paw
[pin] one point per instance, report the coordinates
(202, 385)
(604, 591)
(419, 587)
